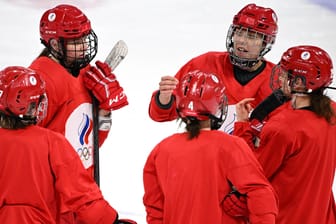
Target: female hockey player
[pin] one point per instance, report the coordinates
(40, 173)
(243, 68)
(70, 45)
(188, 175)
(297, 143)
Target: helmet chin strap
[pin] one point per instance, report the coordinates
(29, 120)
(23, 118)
(295, 93)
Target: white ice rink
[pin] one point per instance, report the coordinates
(161, 36)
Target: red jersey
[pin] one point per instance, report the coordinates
(298, 153)
(219, 63)
(69, 107)
(185, 181)
(41, 176)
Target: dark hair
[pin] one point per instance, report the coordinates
(15, 122)
(321, 106)
(193, 126)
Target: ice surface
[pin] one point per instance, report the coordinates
(161, 36)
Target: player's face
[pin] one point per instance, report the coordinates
(77, 48)
(38, 109)
(42, 108)
(247, 43)
(297, 84)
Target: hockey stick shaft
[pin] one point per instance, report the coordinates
(95, 118)
(116, 55)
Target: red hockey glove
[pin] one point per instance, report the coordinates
(105, 87)
(125, 221)
(235, 204)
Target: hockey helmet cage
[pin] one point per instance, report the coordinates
(257, 19)
(201, 96)
(22, 93)
(69, 26)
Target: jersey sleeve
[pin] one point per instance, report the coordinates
(76, 190)
(272, 137)
(102, 136)
(153, 198)
(246, 174)
(104, 127)
(159, 112)
(244, 130)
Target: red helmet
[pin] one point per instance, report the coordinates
(22, 92)
(202, 96)
(255, 19)
(64, 21)
(310, 64)
(68, 25)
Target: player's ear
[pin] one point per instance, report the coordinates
(54, 44)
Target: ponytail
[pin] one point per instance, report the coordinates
(321, 105)
(193, 126)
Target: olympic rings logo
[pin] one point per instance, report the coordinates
(84, 152)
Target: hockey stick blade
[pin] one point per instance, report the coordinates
(117, 54)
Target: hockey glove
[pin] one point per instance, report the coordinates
(235, 204)
(105, 87)
(125, 221)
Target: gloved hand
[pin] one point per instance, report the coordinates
(105, 87)
(125, 221)
(235, 204)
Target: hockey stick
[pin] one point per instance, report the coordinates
(113, 59)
